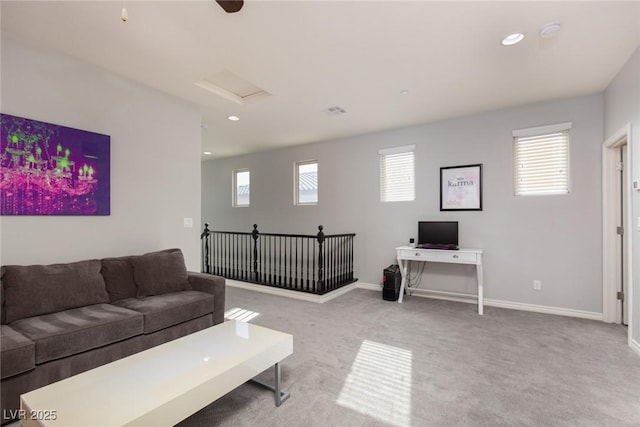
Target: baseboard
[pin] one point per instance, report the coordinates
(320, 299)
(591, 315)
(425, 293)
(369, 286)
(472, 299)
(635, 346)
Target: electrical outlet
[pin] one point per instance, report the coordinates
(537, 285)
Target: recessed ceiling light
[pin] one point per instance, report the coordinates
(234, 118)
(208, 153)
(512, 39)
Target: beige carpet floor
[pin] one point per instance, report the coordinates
(362, 361)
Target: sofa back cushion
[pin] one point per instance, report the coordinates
(162, 272)
(3, 316)
(33, 290)
(118, 277)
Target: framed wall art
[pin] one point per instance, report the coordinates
(48, 169)
(461, 188)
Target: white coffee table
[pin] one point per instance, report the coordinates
(165, 384)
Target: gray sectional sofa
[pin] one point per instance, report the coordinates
(62, 319)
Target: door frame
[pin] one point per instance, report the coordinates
(610, 244)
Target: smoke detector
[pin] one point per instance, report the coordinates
(550, 30)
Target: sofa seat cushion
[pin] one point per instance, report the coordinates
(162, 311)
(18, 353)
(73, 331)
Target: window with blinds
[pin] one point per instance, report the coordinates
(541, 160)
(241, 187)
(397, 174)
(306, 183)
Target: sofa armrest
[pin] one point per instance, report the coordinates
(214, 285)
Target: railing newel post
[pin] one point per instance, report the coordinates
(206, 264)
(255, 234)
(320, 238)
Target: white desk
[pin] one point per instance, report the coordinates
(405, 254)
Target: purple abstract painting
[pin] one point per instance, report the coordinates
(47, 169)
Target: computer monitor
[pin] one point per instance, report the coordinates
(438, 233)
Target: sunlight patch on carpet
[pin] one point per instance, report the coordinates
(379, 384)
(240, 314)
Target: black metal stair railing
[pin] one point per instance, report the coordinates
(308, 263)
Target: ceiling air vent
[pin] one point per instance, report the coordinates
(335, 111)
(232, 87)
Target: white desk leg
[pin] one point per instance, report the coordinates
(403, 272)
(480, 289)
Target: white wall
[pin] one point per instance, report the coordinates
(155, 160)
(556, 239)
(622, 106)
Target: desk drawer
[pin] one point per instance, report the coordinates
(457, 257)
(417, 255)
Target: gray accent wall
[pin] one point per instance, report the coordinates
(555, 239)
(622, 106)
(155, 160)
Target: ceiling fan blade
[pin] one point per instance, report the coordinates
(231, 6)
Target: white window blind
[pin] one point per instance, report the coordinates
(541, 160)
(241, 187)
(397, 177)
(306, 183)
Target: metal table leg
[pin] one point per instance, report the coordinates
(280, 396)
